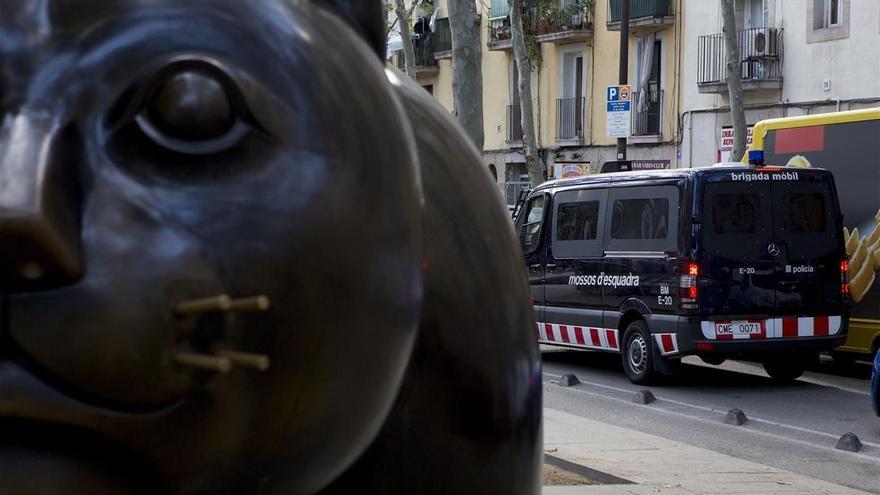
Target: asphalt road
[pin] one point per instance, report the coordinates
(793, 427)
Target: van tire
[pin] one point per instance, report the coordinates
(784, 370)
(637, 353)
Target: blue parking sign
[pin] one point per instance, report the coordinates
(617, 117)
(613, 93)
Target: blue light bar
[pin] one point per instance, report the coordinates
(756, 158)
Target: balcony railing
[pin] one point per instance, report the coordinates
(570, 22)
(761, 56)
(647, 116)
(499, 34)
(424, 48)
(442, 36)
(514, 124)
(569, 119)
(641, 13)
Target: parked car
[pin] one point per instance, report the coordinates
(726, 261)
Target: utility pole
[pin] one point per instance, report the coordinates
(624, 65)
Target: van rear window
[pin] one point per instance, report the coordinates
(577, 221)
(737, 213)
(804, 213)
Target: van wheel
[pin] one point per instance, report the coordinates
(784, 370)
(637, 353)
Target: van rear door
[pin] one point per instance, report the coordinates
(736, 270)
(771, 243)
(805, 214)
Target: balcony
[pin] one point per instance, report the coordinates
(499, 23)
(642, 13)
(647, 115)
(426, 63)
(570, 121)
(442, 39)
(571, 21)
(499, 34)
(761, 56)
(514, 126)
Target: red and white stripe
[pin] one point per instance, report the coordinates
(586, 337)
(778, 328)
(666, 343)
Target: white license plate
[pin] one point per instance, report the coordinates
(739, 328)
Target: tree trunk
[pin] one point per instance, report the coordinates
(534, 164)
(409, 54)
(734, 80)
(467, 72)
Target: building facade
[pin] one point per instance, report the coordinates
(797, 57)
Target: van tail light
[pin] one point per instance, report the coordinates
(688, 291)
(844, 277)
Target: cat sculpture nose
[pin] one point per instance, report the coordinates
(39, 203)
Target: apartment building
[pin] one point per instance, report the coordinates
(797, 57)
(579, 57)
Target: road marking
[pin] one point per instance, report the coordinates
(755, 371)
(823, 383)
(718, 411)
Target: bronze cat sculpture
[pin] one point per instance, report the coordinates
(238, 256)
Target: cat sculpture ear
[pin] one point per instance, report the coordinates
(366, 16)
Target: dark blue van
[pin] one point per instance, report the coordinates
(725, 261)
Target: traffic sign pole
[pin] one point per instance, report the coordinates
(624, 65)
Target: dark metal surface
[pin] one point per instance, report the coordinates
(467, 419)
(213, 267)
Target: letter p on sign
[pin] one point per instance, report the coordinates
(612, 93)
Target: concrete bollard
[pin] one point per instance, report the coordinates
(849, 442)
(644, 397)
(568, 380)
(736, 417)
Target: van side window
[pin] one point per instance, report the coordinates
(577, 221)
(643, 218)
(640, 219)
(530, 232)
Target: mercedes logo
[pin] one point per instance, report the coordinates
(773, 249)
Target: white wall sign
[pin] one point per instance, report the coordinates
(725, 144)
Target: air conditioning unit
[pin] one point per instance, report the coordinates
(760, 42)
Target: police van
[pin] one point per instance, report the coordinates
(722, 261)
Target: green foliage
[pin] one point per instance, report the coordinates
(553, 16)
(533, 48)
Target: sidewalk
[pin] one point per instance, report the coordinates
(658, 465)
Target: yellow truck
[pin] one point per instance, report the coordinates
(847, 144)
